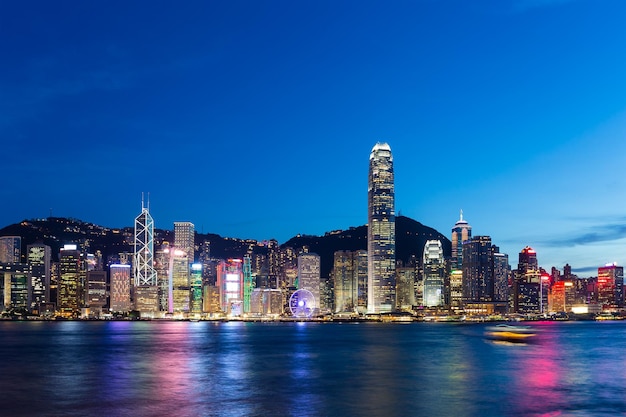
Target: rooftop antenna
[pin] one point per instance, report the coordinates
(461, 215)
(142, 200)
(148, 201)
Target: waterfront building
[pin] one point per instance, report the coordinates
(343, 281)
(195, 305)
(146, 278)
(381, 231)
(119, 301)
(434, 274)
(211, 300)
(184, 238)
(266, 302)
(39, 258)
(248, 283)
(611, 286)
(501, 274)
(406, 277)
(10, 249)
(562, 297)
(14, 286)
(528, 284)
(96, 292)
(72, 275)
(230, 283)
(478, 279)
(461, 232)
(179, 282)
(162, 268)
(309, 275)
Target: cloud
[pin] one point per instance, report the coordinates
(598, 234)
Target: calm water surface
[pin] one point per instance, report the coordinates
(308, 369)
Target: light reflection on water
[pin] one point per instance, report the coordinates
(307, 369)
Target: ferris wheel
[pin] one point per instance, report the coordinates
(302, 303)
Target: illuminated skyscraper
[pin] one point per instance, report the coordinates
(611, 286)
(230, 283)
(478, 280)
(179, 281)
(248, 283)
(527, 286)
(38, 257)
(184, 235)
(434, 274)
(381, 231)
(72, 273)
(144, 249)
(195, 289)
(309, 275)
(461, 232)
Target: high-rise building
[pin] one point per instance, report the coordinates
(381, 231)
(527, 287)
(120, 288)
(184, 238)
(478, 280)
(611, 286)
(248, 283)
(179, 281)
(230, 283)
(406, 280)
(145, 273)
(195, 289)
(434, 274)
(501, 272)
(72, 275)
(461, 232)
(10, 249)
(96, 292)
(343, 281)
(38, 257)
(309, 275)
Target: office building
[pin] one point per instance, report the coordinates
(230, 283)
(120, 288)
(611, 286)
(381, 231)
(38, 257)
(72, 275)
(10, 249)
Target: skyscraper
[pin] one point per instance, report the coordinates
(184, 234)
(478, 278)
(71, 271)
(461, 232)
(39, 258)
(527, 287)
(611, 286)
(145, 273)
(434, 274)
(120, 288)
(381, 231)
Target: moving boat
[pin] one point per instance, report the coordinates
(510, 333)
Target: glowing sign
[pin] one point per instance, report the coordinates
(232, 277)
(70, 247)
(196, 267)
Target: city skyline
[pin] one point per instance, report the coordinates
(254, 119)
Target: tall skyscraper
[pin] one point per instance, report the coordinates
(461, 232)
(184, 235)
(39, 260)
(434, 274)
(231, 285)
(145, 273)
(381, 231)
(179, 281)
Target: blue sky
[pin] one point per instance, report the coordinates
(255, 119)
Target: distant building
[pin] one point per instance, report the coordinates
(195, 289)
(381, 231)
(96, 291)
(478, 278)
(146, 278)
(406, 278)
(10, 249)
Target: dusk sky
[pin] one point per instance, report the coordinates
(255, 119)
